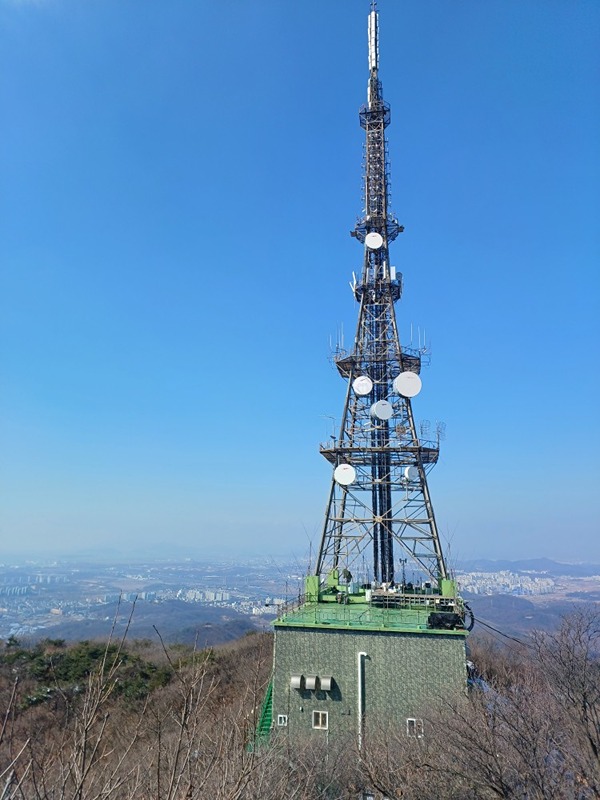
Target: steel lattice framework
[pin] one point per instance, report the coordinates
(385, 501)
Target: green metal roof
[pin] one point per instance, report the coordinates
(362, 616)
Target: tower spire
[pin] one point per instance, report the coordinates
(379, 499)
(373, 38)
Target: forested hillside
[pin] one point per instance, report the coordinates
(134, 719)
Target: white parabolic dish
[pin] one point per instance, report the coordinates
(382, 410)
(408, 384)
(362, 385)
(374, 240)
(411, 474)
(344, 474)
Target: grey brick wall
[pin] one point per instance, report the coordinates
(405, 675)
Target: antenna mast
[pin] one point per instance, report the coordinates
(379, 498)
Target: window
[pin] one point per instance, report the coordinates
(320, 720)
(414, 727)
(282, 720)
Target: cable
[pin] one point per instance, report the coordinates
(506, 635)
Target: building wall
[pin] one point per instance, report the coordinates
(404, 676)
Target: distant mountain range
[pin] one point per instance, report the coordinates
(545, 565)
(176, 621)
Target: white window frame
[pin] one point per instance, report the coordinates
(321, 718)
(282, 720)
(414, 727)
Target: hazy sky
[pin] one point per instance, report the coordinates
(178, 183)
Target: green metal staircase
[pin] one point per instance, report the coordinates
(265, 721)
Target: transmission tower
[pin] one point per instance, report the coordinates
(362, 647)
(379, 503)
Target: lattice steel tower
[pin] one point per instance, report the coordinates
(379, 499)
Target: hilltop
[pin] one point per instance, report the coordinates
(133, 719)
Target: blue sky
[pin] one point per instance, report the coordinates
(179, 180)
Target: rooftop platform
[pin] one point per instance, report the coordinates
(364, 617)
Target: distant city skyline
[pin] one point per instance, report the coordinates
(80, 599)
(179, 183)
